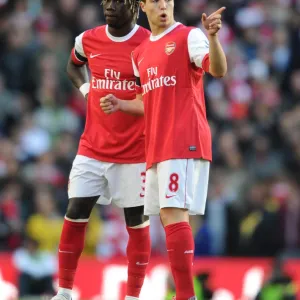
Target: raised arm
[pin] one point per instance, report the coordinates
(217, 58)
(76, 68)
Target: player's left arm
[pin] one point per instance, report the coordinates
(111, 104)
(217, 58)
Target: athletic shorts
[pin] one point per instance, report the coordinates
(124, 184)
(180, 183)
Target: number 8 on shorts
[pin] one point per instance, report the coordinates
(180, 183)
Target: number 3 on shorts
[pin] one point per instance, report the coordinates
(173, 186)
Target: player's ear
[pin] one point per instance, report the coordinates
(142, 4)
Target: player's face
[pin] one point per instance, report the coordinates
(160, 13)
(117, 13)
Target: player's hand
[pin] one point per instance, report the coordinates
(86, 96)
(213, 23)
(110, 104)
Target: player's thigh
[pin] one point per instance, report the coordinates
(200, 186)
(86, 178)
(176, 183)
(151, 206)
(172, 180)
(126, 184)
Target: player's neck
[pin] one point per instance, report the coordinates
(157, 30)
(120, 32)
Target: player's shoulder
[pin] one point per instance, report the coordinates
(195, 30)
(141, 35)
(95, 32)
(184, 31)
(142, 45)
(196, 35)
(143, 32)
(190, 33)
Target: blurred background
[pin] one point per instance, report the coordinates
(253, 207)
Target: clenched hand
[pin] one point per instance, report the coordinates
(109, 104)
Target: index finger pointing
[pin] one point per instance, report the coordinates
(219, 11)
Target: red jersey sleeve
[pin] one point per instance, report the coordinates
(198, 46)
(78, 55)
(206, 63)
(138, 86)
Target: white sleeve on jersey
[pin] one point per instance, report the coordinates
(198, 46)
(79, 45)
(135, 69)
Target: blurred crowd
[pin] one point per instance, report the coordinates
(254, 195)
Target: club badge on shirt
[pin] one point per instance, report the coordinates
(170, 48)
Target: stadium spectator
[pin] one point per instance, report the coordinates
(254, 114)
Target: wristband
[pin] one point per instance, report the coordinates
(84, 89)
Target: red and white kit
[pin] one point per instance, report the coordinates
(111, 157)
(178, 138)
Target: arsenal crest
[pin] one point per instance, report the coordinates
(170, 48)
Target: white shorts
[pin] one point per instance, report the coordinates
(124, 184)
(180, 183)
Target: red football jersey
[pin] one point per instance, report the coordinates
(172, 88)
(119, 137)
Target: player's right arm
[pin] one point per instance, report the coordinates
(76, 67)
(111, 104)
(217, 58)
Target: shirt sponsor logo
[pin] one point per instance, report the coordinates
(158, 83)
(155, 81)
(112, 81)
